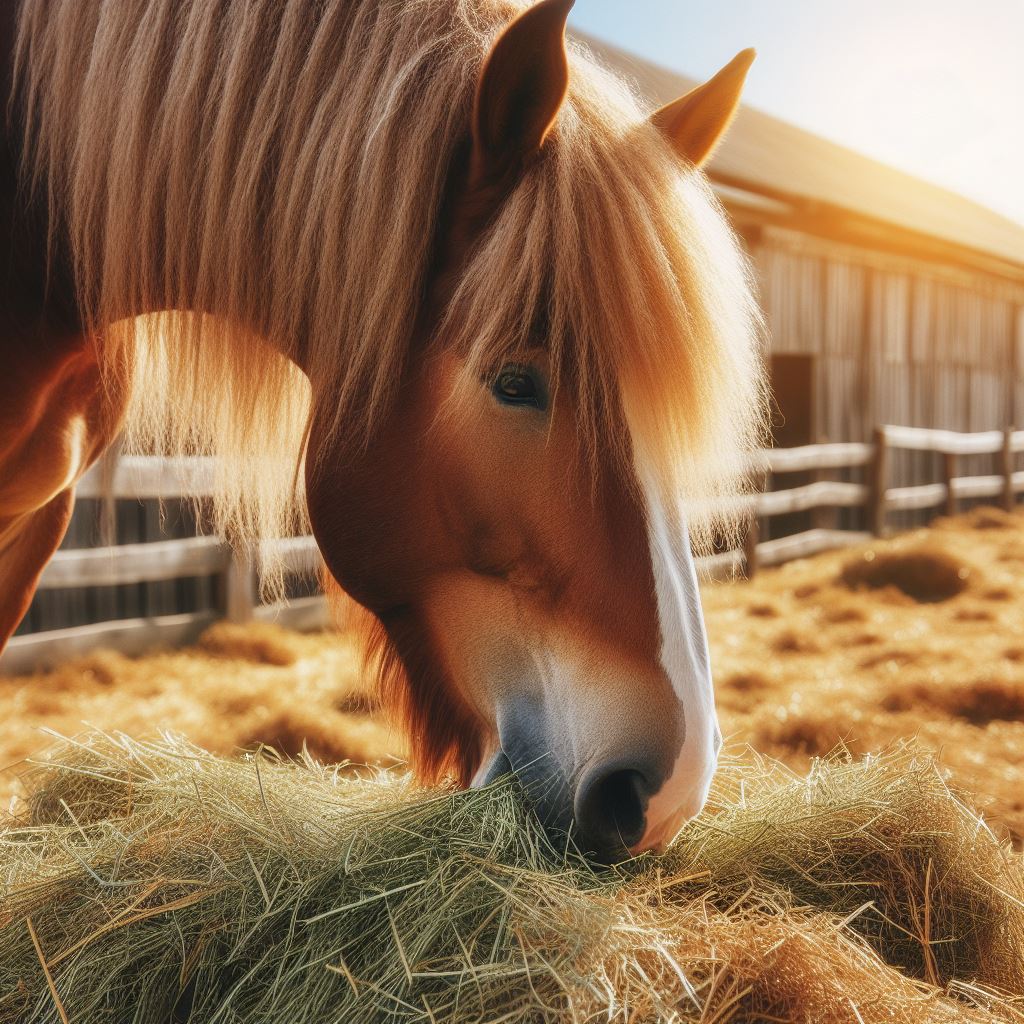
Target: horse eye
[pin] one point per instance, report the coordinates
(515, 385)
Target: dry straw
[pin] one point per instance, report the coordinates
(155, 882)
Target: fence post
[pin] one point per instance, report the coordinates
(108, 505)
(752, 537)
(240, 586)
(1009, 495)
(879, 471)
(948, 476)
(750, 542)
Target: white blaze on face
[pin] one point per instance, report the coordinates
(684, 657)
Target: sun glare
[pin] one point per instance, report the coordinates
(937, 99)
(932, 87)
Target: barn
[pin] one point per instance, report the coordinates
(888, 301)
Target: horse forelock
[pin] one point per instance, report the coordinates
(646, 302)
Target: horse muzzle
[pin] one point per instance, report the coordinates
(603, 807)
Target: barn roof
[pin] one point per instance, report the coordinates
(796, 177)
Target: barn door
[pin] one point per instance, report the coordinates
(793, 425)
(792, 380)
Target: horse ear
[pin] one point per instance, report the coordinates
(695, 123)
(521, 88)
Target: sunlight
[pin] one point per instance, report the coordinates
(932, 88)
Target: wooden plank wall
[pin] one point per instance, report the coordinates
(894, 341)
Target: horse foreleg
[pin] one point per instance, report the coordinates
(26, 545)
(56, 417)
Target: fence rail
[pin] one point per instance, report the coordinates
(816, 456)
(151, 478)
(875, 496)
(145, 476)
(164, 479)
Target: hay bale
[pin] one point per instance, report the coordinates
(925, 572)
(883, 843)
(155, 882)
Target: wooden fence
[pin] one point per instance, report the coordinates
(164, 479)
(874, 496)
(150, 479)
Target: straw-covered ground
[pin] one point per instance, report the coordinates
(151, 882)
(155, 882)
(239, 687)
(918, 636)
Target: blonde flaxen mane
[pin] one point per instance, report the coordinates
(275, 169)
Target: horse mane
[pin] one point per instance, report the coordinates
(442, 732)
(274, 170)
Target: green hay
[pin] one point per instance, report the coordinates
(153, 882)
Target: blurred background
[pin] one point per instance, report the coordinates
(932, 87)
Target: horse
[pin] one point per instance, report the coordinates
(429, 282)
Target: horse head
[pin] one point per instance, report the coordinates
(534, 591)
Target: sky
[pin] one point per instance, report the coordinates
(933, 87)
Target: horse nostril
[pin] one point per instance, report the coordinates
(611, 811)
